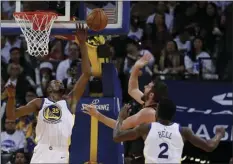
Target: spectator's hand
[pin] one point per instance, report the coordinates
(91, 110)
(143, 61)
(223, 20)
(221, 131)
(124, 113)
(81, 32)
(10, 91)
(4, 94)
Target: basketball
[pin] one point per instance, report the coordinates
(97, 20)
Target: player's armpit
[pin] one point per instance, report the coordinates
(143, 116)
(31, 107)
(131, 134)
(206, 145)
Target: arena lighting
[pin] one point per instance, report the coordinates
(202, 162)
(182, 159)
(197, 160)
(208, 161)
(191, 159)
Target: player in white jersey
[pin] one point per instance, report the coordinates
(55, 121)
(164, 140)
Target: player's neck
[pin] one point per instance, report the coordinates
(149, 103)
(164, 122)
(54, 99)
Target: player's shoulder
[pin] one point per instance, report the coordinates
(147, 114)
(147, 111)
(144, 128)
(36, 102)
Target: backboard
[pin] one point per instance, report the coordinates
(118, 13)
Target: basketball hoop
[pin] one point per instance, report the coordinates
(36, 27)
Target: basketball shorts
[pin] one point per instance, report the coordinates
(50, 154)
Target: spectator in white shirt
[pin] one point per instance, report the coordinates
(192, 63)
(169, 17)
(135, 31)
(11, 41)
(11, 139)
(74, 54)
(183, 42)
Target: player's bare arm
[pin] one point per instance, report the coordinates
(120, 135)
(12, 113)
(206, 145)
(79, 87)
(133, 88)
(143, 116)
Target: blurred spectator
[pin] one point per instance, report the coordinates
(11, 41)
(161, 8)
(16, 77)
(158, 34)
(209, 25)
(73, 54)
(171, 61)
(57, 50)
(231, 161)
(20, 158)
(197, 52)
(15, 55)
(134, 52)
(8, 8)
(12, 139)
(186, 16)
(72, 76)
(183, 42)
(135, 31)
(46, 75)
(3, 42)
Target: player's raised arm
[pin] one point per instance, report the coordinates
(120, 135)
(206, 145)
(130, 122)
(133, 88)
(12, 113)
(79, 87)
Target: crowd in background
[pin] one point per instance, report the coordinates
(188, 41)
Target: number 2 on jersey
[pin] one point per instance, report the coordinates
(164, 149)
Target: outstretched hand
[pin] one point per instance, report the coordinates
(91, 110)
(81, 32)
(10, 89)
(221, 131)
(144, 60)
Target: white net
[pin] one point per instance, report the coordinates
(36, 28)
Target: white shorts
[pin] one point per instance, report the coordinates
(50, 154)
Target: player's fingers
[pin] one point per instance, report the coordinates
(87, 108)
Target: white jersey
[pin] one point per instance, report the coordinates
(164, 144)
(54, 124)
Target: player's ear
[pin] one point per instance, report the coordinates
(151, 95)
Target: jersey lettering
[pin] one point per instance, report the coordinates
(165, 134)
